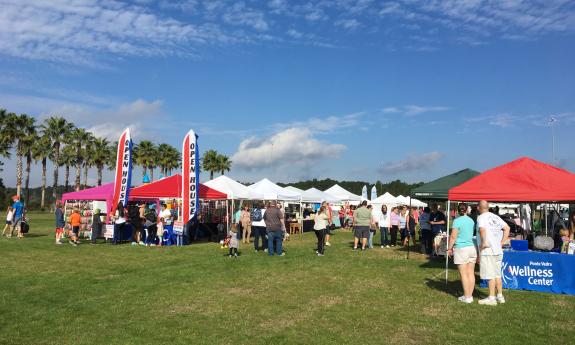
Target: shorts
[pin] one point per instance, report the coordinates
(59, 231)
(361, 231)
(465, 255)
(76, 230)
(490, 266)
(328, 230)
(8, 222)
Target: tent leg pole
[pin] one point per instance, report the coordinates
(448, 216)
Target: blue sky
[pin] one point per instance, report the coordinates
(362, 90)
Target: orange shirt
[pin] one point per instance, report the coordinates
(75, 219)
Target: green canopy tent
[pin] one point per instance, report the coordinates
(438, 189)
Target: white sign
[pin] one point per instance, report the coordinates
(178, 228)
(109, 231)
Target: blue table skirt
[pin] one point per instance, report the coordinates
(539, 271)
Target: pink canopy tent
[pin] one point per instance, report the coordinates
(102, 193)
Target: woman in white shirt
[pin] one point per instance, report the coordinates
(319, 226)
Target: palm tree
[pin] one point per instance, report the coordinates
(41, 151)
(6, 139)
(143, 153)
(175, 159)
(163, 151)
(210, 162)
(88, 157)
(79, 137)
(224, 163)
(67, 159)
(101, 155)
(29, 142)
(57, 129)
(20, 128)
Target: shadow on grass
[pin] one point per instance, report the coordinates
(35, 235)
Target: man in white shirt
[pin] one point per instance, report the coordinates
(493, 233)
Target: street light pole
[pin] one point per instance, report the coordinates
(552, 121)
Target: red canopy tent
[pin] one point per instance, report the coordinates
(522, 180)
(171, 188)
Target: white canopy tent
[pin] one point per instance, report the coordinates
(342, 194)
(316, 195)
(294, 189)
(385, 199)
(271, 191)
(234, 189)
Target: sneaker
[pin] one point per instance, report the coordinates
(142, 243)
(386, 246)
(58, 242)
(282, 254)
(354, 249)
(236, 255)
(488, 301)
(465, 299)
(134, 243)
(318, 254)
(72, 243)
(265, 250)
(328, 244)
(382, 247)
(500, 299)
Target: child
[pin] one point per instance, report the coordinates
(9, 217)
(96, 225)
(59, 214)
(75, 222)
(160, 231)
(234, 241)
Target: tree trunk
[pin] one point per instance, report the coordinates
(144, 171)
(43, 197)
(56, 160)
(211, 175)
(27, 183)
(67, 178)
(151, 174)
(78, 176)
(86, 176)
(100, 168)
(19, 174)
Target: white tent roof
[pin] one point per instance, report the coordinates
(385, 199)
(401, 200)
(316, 195)
(342, 194)
(233, 189)
(271, 191)
(294, 189)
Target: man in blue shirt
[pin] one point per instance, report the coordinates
(18, 207)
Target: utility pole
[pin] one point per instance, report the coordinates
(552, 121)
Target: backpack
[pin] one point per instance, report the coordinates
(256, 215)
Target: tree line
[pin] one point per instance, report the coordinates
(71, 147)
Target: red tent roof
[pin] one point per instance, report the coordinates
(524, 179)
(171, 188)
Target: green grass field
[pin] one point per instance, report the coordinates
(194, 295)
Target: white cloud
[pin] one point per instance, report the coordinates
(412, 162)
(290, 147)
(326, 124)
(240, 14)
(412, 110)
(348, 24)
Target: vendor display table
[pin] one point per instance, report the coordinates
(538, 271)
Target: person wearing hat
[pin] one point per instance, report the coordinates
(96, 225)
(19, 212)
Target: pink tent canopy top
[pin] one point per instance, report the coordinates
(103, 192)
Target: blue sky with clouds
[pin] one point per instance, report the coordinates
(348, 89)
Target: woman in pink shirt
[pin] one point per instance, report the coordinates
(394, 220)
